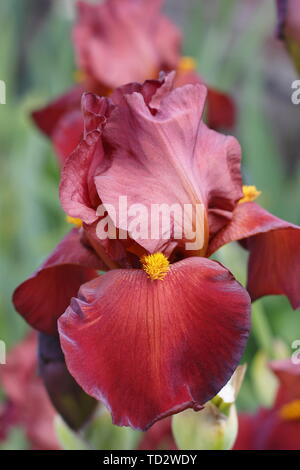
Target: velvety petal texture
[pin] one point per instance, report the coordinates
(121, 41)
(273, 244)
(148, 348)
(178, 159)
(43, 297)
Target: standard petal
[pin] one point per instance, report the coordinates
(179, 160)
(149, 349)
(274, 261)
(78, 194)
(43, 297)
(77, 191)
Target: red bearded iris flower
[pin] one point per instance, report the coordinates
(165, 327)
(116, 42)
(276, 428)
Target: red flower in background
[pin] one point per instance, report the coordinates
(159, 437)
(27, 404)
(116, 42)
(277, 428)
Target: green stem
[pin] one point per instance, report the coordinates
(261, 329)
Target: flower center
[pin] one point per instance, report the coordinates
(74, 221)
(187, 64)
(250, 194)
(291, 411)
(155, 265)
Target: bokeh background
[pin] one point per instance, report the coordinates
(234, 44)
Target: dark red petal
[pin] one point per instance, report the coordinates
(149, 349)
(274, 262)
(220, 110)
(267, 431)
(71, 402)
(159, 437)
(288, 374)
(244, 440)
(67, 134)
(48, 117)
(43, 297)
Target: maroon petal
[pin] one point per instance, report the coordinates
(71, 402)
(43, 297)
(274, 262)
(288, 374)
(48, 117)
(220, 110)
(151, 348)
(67, 134)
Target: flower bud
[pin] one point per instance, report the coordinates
(215, 426)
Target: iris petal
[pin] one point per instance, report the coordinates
(149, 349)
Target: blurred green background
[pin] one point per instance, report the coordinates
(233, 42)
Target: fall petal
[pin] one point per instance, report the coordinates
(67, 134)
(274, 263)
(43, 297)
(149, 349)
(48, 117)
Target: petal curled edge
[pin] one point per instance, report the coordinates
(78, 194)
(273, 244)
(43, 297)
(149, 349)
